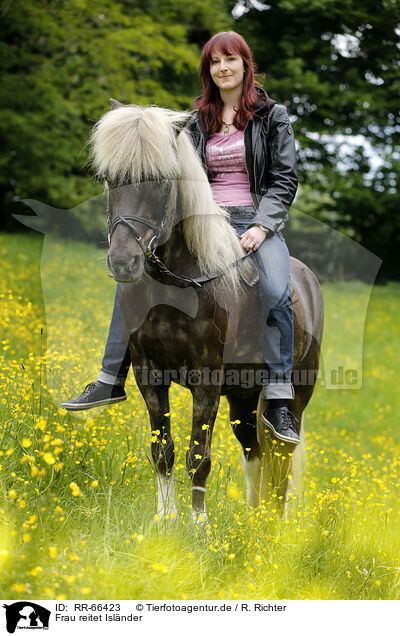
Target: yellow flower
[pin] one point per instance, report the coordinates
(94, 483)
(26, 537)
(258, 558)
(19, 587)
(76, 491)
(86, 590)
(377, 583)
(40, 424)
(35, 571)
(53, 551)
(231, 556)
(26, 443)
(139, 538)
(159, 567)
(12, 494)
(49, 458)
(234, 492)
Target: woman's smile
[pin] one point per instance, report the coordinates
(227, 71)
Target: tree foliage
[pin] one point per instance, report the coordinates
(60, 64)
(335, 64)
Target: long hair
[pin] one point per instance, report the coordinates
(210, 104)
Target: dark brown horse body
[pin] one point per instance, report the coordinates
(182, 335)
(204, 336)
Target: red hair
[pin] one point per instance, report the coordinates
(210, 104)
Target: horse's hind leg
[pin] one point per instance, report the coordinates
(244, 425)
(283, 463)
(198, 457)
(162, 445)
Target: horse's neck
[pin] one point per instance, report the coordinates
(175, 254)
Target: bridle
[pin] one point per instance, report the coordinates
(128, 221)
(153, 264)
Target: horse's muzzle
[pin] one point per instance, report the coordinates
(126, 271)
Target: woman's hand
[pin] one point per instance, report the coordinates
(252, 238)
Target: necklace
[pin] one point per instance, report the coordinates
(226, 127)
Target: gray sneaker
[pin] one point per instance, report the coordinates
(95, 394)
(282, 423)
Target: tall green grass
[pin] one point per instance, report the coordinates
(78, 493)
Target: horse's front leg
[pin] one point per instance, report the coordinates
(244, 425)
(198, 457)
(162, 445)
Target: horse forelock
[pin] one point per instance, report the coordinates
(133, 143)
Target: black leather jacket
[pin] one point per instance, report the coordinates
(270, 161)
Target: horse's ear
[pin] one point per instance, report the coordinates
(115, 104)
(180, 125)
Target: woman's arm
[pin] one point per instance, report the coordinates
(281, 179)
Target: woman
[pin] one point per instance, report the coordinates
(246, 143)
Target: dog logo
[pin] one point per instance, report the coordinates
(26, 615)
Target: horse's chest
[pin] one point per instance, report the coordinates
(172, 338)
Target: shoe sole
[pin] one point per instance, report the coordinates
(284, 438)
(83, 407)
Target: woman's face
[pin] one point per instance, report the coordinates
(227, 71)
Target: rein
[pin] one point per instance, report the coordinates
(153, 262)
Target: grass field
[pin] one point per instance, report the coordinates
(78, 494)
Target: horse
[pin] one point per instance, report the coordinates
(190, 302)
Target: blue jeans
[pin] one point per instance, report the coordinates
(272, 261)
(273, 265)
(117, 358)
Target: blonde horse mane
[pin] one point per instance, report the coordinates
(132, 143)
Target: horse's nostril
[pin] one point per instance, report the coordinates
(124, 269)
(134, 264)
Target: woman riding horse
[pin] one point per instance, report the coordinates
(246, 143)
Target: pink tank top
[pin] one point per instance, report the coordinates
(225, 157)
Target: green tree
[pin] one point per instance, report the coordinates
(60, 64)
(335, 64)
